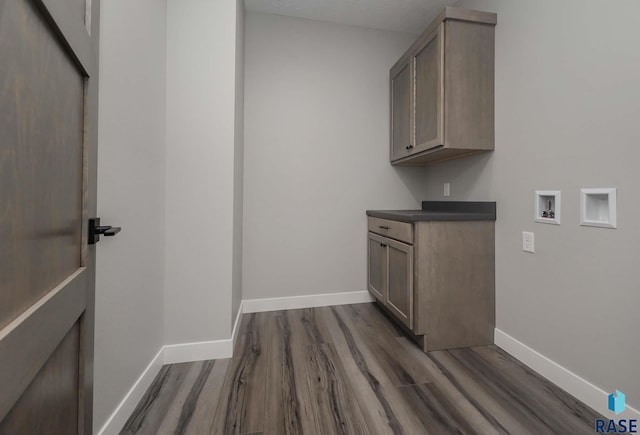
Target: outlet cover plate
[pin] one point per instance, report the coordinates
(528, 242)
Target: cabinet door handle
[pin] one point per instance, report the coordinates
(408, 147)
(383, 227)
(383, 245)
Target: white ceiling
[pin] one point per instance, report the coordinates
(410, 16)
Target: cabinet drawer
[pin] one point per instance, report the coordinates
(402, 231)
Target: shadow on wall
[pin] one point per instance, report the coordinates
(470, 179)
(414, 178)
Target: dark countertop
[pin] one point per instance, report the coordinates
(442, 211)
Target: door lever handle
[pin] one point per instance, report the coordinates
(96, 230)
(108, 230)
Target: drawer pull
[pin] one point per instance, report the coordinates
(383, 227)
(383, 245)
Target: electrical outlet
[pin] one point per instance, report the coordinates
(447, 189)
(528, 242)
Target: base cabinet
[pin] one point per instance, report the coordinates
(440, 283)
(390, 275)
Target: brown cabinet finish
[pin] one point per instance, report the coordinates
(377, 267)
(402, 231)
(450, 88)
(454, 286)
(390, 271)
(401, 143)
(400, 282)
(441, 284)
(428, 62)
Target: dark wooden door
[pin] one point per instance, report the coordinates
(48, 148)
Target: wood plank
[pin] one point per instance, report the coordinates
(335, 408)
(436, 410)
(384, 408)
(307, 328)
(148, 415)
(180, 412)
(372, 332)
(483, 422)
(373, 315)
(540, 397)
(501, 403)
(245, 383)
(288, 410)
(209, 399)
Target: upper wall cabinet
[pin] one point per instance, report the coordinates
(442, 90)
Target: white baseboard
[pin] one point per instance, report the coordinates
(311, 301)
(203, 350)
(198, 351)
(573, 384)
(120, 415)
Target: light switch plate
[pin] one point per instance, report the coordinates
(447, 189)
(528, 244)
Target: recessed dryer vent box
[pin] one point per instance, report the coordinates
(547, 207)
(598, 208)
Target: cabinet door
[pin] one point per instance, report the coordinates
(400, 281)
(428, 66)
(377, 267)
(401, 110)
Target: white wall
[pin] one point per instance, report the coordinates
(567, 106)
(316, 153)
(130, 278)
(201, 96)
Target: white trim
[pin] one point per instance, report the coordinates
(198, 351)
(573, 384)
(236, 325)
(610, 221)
(120, 415)
(310, 301)
(203, 350)
(538, 207)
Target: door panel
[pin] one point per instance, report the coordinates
(428, 64)
(48, 101)
(52, 397)
(401, 112)
(400, 283)
(42, 120)
(377, 267)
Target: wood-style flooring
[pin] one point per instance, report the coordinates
(350, 370)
